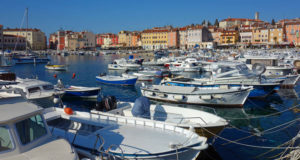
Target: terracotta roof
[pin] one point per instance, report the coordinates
(292, 23)
(1, 25)
(22, 29)
(153, 31)
(246, 30)
(242, 19)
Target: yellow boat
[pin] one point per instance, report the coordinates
(56, 67)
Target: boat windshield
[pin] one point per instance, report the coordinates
(34, 89)
(31, 129)
(48, 87)
(5, 139)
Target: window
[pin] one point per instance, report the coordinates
(34, 89)
(48, 87)
(31, 129)
(5, 139)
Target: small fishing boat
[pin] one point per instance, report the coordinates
(218, 96)
(30, 59)
(141, 77)
(176, 116)
(123, 137)
(117, 80)
(24, 133)
(82, 92)
(156, 72)
(56, 67)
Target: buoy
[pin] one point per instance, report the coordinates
(68, 111)
(73, 76)
(55, 76)
(55, 100)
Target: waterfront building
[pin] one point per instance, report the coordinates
(53, 41)
(183, 37)
(229, 22)
(155, 38)
(35, 38)
(61, 39)
(1, 37)
(292, 30)
(114, 40)
(276, 35)
(173, 38)
(88, 39)
(134, 38)
(246, 37)
(196, 35)
(260, 36)
(13, 42)
(124, 38)
(229, 37)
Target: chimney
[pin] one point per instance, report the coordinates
(256, 15)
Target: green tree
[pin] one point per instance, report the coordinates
(208, 23)
(216, 23)
(273, 22)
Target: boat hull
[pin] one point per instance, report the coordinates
(82, 94)
(127, 82)
(229, 99)
(30, 60)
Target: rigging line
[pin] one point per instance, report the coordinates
(263, 131)
(20, 28)
(272, 114)
(241, 130)
(249, 145)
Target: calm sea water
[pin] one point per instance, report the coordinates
(246, 123)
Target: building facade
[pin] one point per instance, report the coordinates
(114, 41)
(196, 35)
(36, 39)
(155, 39)
(292, 30)
(173, 38)
(124, 38)
(276, 35)
(13, 42)
(231, 22)
(183, 38)
(246, 37)
(53, 41)
(260, 36)
(229, 37)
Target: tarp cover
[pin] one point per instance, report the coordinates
(141, 108)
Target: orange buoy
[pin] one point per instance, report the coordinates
(68, 111)
(73, 76)
(55, 76)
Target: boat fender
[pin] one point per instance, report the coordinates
(68, 111)
(179, 97)
(55, 76)
(73, 76)
(55, 100)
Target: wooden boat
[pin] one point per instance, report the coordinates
(123, 137)
(25, 135)
(117, 80)
(177, 116)
(221, 96)
(56, 67)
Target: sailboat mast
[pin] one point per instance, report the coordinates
(26, 27)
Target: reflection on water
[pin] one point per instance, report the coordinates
(254, 121)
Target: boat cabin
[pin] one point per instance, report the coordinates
(263, 60)
(24, 133)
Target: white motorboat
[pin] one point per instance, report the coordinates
(25, 135)
(39, 92)
(123, 64)
(123, 137)
(141, 76)
(177, 116)
(117, 80)
(222, 95)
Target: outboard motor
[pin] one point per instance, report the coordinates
(108, 103)
(141, 108)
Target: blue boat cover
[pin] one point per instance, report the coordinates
(141, 108)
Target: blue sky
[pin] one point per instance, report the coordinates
(102, 16)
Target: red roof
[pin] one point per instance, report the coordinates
(1, 25)
(153, 31)
(242, 19)
(22, 29)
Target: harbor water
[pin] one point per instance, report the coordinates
(255, 131)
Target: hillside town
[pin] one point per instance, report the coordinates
(228, 33)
